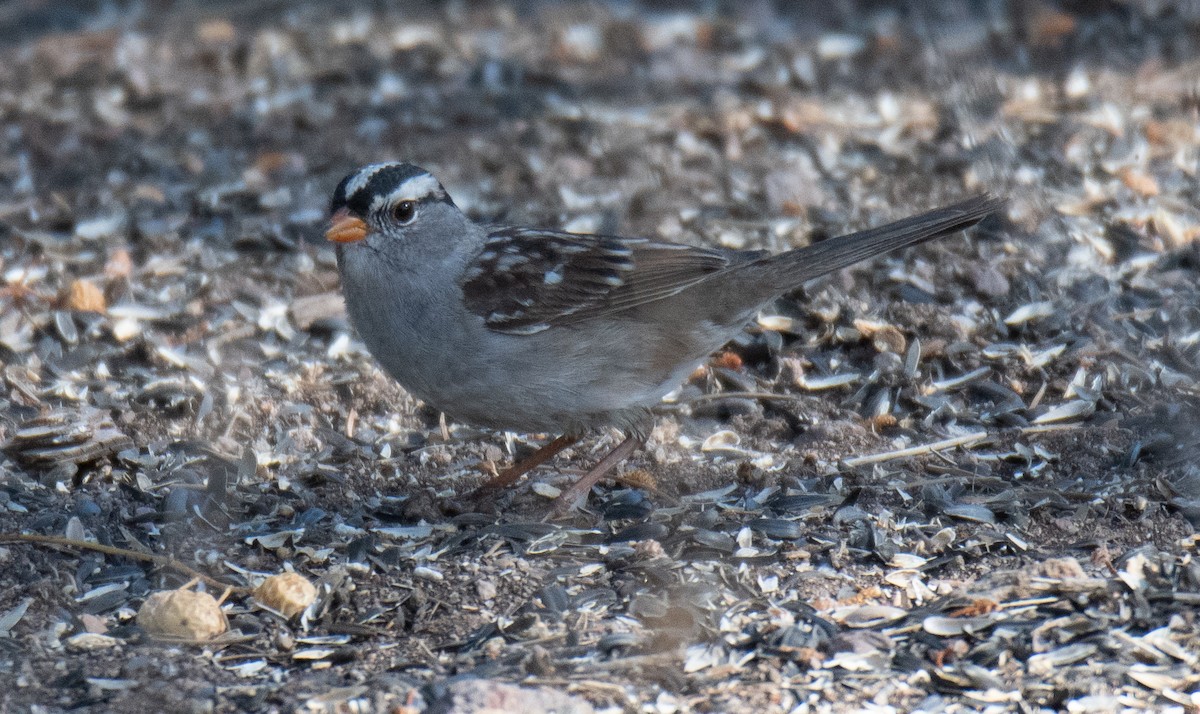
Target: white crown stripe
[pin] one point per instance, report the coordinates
(414, 189)
(363, 177)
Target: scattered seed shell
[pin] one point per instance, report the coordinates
(182, 614)
(84, 296)
(286, 593)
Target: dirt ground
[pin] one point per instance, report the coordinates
(959, 478)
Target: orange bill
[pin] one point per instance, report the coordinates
(345, 228)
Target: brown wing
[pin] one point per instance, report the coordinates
(526, 280)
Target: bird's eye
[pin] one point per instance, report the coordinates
(404, 212)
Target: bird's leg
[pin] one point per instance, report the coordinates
(578, 490)
(509, 476)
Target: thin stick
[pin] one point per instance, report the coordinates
(760, 396)
(1047, 428)
(161, 561)
(965, 440)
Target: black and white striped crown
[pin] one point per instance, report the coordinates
(383, 184)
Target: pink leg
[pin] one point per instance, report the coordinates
(578, 491)
(510, 475)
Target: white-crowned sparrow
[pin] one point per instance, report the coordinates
(535, 330)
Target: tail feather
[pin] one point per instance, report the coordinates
(795, 267)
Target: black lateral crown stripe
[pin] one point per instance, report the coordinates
(385, 180)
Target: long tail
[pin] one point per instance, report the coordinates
(789, 270)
